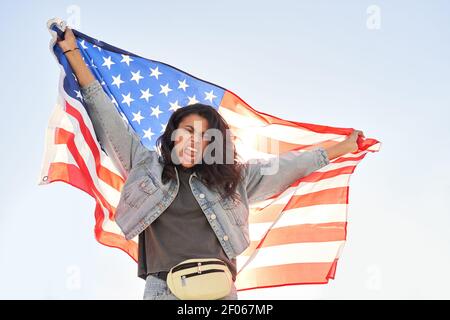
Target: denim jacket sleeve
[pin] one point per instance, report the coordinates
(265, 178)
(117, 138)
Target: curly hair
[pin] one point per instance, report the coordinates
(220, 175)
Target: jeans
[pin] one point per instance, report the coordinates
(157, 289)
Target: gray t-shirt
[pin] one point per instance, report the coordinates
(181, 232)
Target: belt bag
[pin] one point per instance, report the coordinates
(200, 279)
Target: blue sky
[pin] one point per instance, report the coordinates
(309, 61)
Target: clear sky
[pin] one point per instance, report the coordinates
(378, 66)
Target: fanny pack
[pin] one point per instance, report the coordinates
(200, 279)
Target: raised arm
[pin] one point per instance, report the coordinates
(264, 179)
(117, 138)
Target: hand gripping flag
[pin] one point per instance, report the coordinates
(296, 236)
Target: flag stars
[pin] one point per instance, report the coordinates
(126, 59)
(165, 89)
(113, 100)
(137, 117)
(95, 46)
(117, 81)
(107, 62)
(174, 106)
(155, 72)
(156, 112)
(210, 96)
(136, 76)
(146, 94)
(127, 99)
(83, 45)
(163, 127)
(93, 64)
(148, 134)
(192, 100)
(182, 85)
(124, 118)
(79, 95)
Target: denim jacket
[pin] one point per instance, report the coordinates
(144, 197)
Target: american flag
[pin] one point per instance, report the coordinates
(296, 236)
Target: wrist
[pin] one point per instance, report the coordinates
(73, 54)
(69, 50)
(347, 146)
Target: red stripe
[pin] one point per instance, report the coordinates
(267, 214)
(269, 145)
(72, 175)
(286, 274)
(328, 196)
(63, 136)
(112, 179)
(112, 239)
(301, 233)
(109, 177)
(319, 175)
(232, 102)
(69, 173)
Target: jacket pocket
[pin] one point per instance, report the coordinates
(137, 192)
(228, 203)
(236, 209)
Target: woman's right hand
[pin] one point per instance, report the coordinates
(69, 42)
(79, 67)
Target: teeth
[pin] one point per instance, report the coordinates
(190, 151)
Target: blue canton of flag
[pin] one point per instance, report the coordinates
(145, 91)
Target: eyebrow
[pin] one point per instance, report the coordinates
(191, 127)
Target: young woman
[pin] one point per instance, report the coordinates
(187, 200)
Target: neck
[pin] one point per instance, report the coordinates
(186, 169)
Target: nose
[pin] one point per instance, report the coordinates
(195, 140)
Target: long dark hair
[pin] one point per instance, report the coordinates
(223, 176)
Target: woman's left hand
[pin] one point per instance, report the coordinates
(352, 140)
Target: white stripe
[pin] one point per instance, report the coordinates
(285, 133)
(325, 213)
(247, 151)
(70, 124)
(238, 120)
(108, 225)
(110, 194)
(53, 152)
(62, 154)
(322, 213)
(338, 165)
(113, 227)
(308, 252)
(49, 146)
(306, 187)
(375, 147)
(104, 159)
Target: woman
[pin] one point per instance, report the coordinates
(195, 179)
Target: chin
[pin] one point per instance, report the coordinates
(188, 165)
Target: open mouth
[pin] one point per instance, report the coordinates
(189, 152)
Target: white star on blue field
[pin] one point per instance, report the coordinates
(146, 92)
